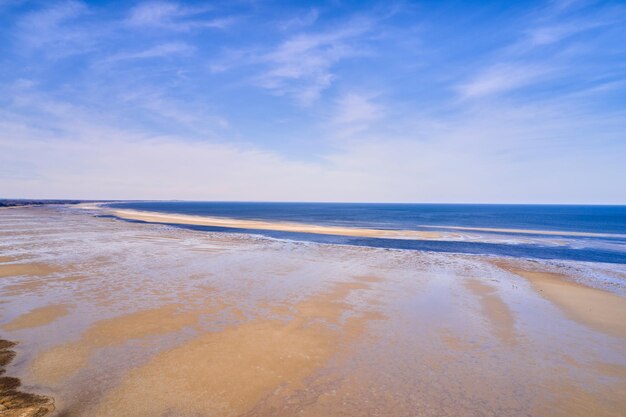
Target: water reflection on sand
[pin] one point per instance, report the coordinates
(122, 319)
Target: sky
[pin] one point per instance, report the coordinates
(381, 101)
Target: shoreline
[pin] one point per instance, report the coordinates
(447, 232)
(520, 245)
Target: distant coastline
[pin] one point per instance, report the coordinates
(29, 202)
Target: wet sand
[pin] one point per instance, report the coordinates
(126, 319)
(37, 317)
(598, 309)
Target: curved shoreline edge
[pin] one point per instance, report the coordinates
(437, 232)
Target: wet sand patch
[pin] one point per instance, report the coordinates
(229, 372)
(33, 285)
(13, 401)
(38, 317)
(610, 369)
(600, 310)
(581, 401)
(494, 309)
(454, 341)
(63, 361)
(34, 269)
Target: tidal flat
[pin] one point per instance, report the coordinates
(112, 318)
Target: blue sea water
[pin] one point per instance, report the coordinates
(610, 221)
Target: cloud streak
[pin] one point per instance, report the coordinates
(503, 78)
(174, 16)
(159, 51)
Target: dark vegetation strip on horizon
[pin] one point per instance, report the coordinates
(25, 202)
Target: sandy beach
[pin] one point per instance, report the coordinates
(102, 317)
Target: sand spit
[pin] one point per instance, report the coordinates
(13, 401)
(277, 226)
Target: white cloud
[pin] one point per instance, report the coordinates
(528, 61)
(93, 118)
(174, 16)
(545, 35)
(563, 28)
(301, 66)
(192, 115)
(154, 13)
(502, 78)
(54, 29)
(492, 155)
(126, 166)
(354, 112)
(158, 51)
(301, 21)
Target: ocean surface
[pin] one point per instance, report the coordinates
(568, 232)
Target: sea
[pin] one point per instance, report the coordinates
(566, 232)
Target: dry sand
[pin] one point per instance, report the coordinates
(141, 320)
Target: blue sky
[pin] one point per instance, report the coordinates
(433, 101)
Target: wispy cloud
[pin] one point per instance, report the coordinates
(354, 113)
(301, 66)
(174, 16)
(55, 29)
(547, 36)
(193, 116)
(300, 21)
(158, 51)
(502, 78)
(554, 27)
